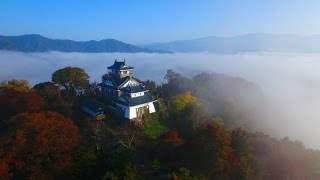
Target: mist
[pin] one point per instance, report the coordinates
(291, 82)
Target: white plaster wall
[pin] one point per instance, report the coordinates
(136, 94)
(130, 112)
(133, 109)
(151, 108)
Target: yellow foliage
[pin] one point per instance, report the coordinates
(19, 85)
(183, 100)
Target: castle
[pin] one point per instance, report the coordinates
(128, 95)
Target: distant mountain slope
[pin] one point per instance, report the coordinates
(246, 43)
(38, 43)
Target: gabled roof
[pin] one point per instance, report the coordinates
(119, 82)
(126, 100)
(134, 89)
(120, 65)
(116, 81)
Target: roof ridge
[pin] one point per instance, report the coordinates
(127, 78)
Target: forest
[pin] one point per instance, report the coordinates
(203, 129)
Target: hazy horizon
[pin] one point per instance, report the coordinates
(141, 22)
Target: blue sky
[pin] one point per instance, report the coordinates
(144, 21)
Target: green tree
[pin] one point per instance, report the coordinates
(74, 80)
(47, 90)
(162, 110)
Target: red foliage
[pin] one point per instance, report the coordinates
(172, 136)
(13, 102)
(4, 171)
(222, 136)
(44, 142)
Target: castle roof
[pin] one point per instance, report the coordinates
(134, 89)
(117, 83)
(127, 100)
(120, 65)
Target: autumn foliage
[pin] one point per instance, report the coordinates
(172, 137)
(13, 101)
(39, 144)
(210, 146)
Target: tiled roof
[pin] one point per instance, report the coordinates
(134, 89)
(116, 81)
(120, 66)
(128, 101)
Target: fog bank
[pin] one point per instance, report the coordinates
(290, 81)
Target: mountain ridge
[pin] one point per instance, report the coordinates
(39, 43)
(254, 42)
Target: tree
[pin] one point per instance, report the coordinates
(18, 85)
(171, 137)
(182, 101)
(183, 112)
(47, 90)
(93, 90)
(183, 174)
(131, 172)
(173, 85)
(74, 80)
(243, 149)
(208, 151)
(4, 171)
(166, 149)
(172, 77)
(152, 87)
(52, 94)
(110, 176)
(39, 144)
(13, 101)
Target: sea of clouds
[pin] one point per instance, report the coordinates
(290, 81)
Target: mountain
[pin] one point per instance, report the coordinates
(258, 42)
(38, 43)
